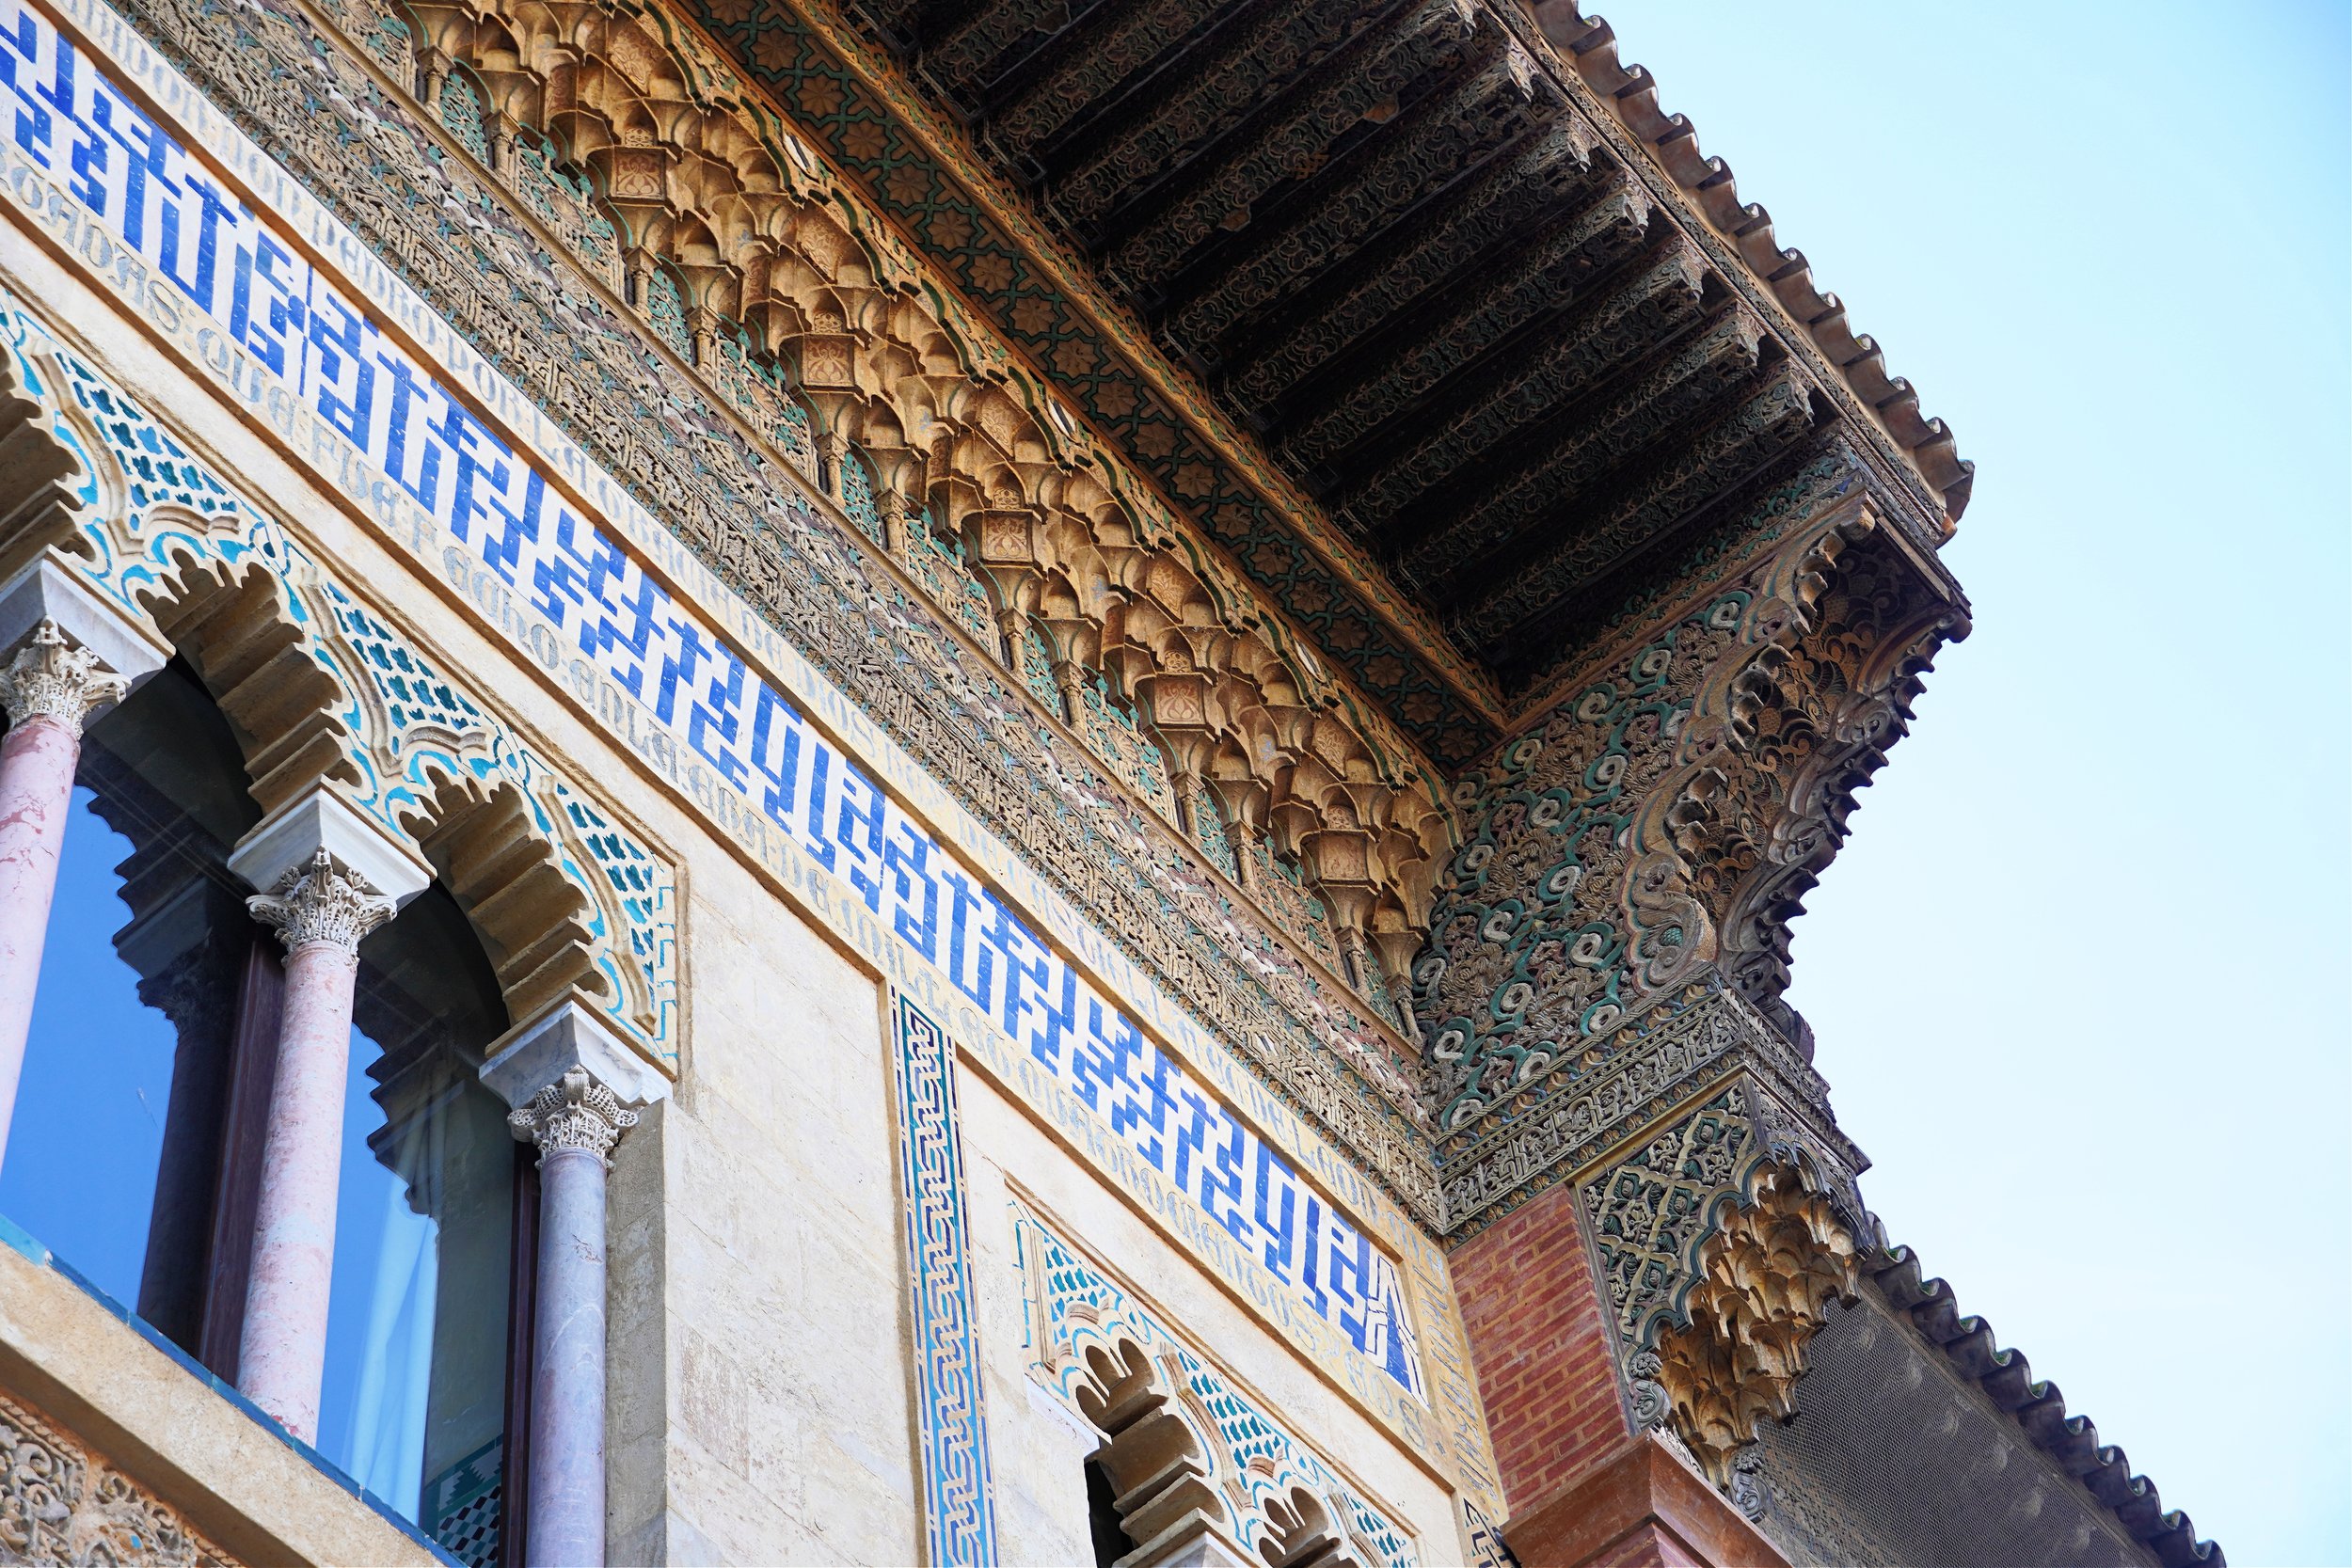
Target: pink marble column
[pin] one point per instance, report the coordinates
(320, 912)
(575, 1121)
(48, 689)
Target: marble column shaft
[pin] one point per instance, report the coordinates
(48, 690)
(321, 912)
(575, 1121)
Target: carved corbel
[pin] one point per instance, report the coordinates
(1722, 1236)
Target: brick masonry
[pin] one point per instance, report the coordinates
(1531, 1307)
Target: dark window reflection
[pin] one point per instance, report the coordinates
(114, 1158)
(414, 1405)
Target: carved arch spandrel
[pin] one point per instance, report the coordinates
(702, 179)
(317, 690)
(1211, 1458)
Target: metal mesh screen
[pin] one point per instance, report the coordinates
(1895, 1459)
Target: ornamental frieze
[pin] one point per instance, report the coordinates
(63, 1506)
(317, 111)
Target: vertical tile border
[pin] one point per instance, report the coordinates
(958, 1502)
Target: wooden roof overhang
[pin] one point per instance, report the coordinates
(1448, 264)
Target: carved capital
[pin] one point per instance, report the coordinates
(51, 678)
(321, 902)
(573, 1112)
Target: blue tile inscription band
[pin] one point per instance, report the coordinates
(958, 1505)
(78, 139)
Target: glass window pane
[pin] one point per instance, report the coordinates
(414, 1405)
(97, 1075)
(129, 1051)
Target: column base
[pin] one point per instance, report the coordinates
(1642, 1506)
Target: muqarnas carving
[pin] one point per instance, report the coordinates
(1722, 1239)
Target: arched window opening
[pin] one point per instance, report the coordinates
(414, 1405)
(1103, 1525)
(131, 1054)
(135, 1147)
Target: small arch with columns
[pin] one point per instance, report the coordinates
(375, 773)
(1199, 1472)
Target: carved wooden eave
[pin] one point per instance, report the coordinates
(1433, 276)
(710, 193)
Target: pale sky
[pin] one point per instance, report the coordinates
(2079, 977)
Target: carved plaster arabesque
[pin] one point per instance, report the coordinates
(63, 1506)
(1665, 820)
(1722, 1237)
(318, 693)
(789, 572)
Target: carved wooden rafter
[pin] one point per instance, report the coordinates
(1371, 229)
(702, 185)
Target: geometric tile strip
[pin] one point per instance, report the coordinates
(609, 610)
(959, 1515)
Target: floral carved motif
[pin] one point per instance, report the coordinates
(50, 679)
(1667, 819)
(64, 1507)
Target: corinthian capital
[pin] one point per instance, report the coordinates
(51, 678)
(320, 902)
(573, 1112)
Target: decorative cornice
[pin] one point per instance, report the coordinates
(925, 174)
(362, 156)
(1622, 101)
(50, 678)
(322, 903)
(573, 1113)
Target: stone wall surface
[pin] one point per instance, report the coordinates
(760, 1357)
(781, 1320)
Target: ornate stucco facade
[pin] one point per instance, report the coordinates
(1095, 725)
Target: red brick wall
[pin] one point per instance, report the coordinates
(1647, 1546)
(1531, 1307)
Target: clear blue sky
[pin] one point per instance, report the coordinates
(2079, 977)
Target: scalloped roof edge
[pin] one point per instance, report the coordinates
(1589, 45)
(2007, 1378)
